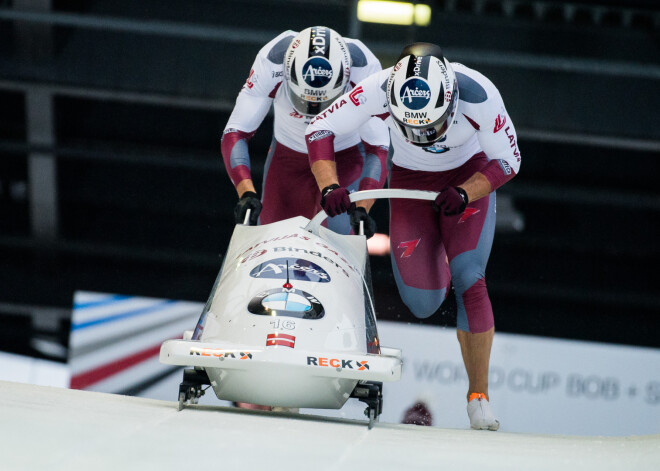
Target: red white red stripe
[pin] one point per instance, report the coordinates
(280, 339)
(88, 378)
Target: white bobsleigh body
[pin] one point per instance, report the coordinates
(290, 321)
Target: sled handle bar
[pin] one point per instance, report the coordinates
(315, 223)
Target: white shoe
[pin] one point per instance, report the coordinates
(481, 417)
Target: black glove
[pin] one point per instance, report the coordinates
(250, 201)
(335, 200)
(451, 201)
(360, 214)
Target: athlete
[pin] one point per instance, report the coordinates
(301, 74)
(450, 134)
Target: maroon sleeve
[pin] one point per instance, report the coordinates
(374, 172)
(320, 146)
(498, 172)
(235, 154)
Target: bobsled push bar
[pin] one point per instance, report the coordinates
(315, 223)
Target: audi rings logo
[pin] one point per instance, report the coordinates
(415, 94)
(317, 72)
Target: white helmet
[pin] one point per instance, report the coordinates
(422, 94)
(317, 66)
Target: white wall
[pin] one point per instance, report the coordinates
(537, 385)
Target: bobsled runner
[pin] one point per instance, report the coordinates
(290, 321)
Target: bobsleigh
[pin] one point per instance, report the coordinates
(290, 322)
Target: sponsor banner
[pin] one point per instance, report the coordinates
(115, 340)
(537, 384)
(97, 317)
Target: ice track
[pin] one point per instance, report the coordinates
(60, 429)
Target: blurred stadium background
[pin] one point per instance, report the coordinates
(111, 178)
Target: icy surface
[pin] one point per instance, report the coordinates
(60, 429)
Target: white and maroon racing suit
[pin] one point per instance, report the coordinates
(289, 188)
(429, 249)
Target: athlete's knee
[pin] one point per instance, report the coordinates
(475, 313)
(464, 274)
(423, 303)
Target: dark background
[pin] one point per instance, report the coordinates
(111, 178)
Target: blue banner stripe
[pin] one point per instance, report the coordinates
(101, 302)
(123, 315)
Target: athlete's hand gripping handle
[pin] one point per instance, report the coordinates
(451, 201)
(335, 200)
(314, 225)
(249, 201)
(362, 223)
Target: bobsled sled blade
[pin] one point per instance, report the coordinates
(371, 393)
(191, 388)
(373, 418)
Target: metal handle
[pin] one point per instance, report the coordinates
(315, 223)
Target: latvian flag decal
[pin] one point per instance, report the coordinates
(280, 339)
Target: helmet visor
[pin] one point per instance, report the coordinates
(427, 135)
(423, 137)
(308, 107)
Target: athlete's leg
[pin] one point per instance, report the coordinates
(468, 238)
(475, 349)
(418, 255)
(289, 188)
